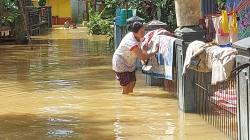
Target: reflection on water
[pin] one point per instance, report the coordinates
(62, 87)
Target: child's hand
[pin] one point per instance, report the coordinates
(156, 49)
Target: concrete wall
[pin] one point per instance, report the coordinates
(60, 8)
(187, 12)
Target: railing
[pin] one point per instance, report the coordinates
(38, 19)
(217, 104)
(33, 20)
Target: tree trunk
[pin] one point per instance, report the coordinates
(22, 32)
(87, 9)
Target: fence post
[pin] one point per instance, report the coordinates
(243, 88)
(187, 15)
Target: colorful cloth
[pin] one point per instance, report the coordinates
(244, 23)
(161, 65)
(244, 17)
(226, 99)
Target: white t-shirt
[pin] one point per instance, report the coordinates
(123, 58)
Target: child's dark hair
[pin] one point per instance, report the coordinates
(135, 26)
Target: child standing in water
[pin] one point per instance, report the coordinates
(125, 56)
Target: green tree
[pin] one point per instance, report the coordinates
(168, 15)
(9, 11)
(147, 9)
(42, 2)
(99, 23)
(96, 24)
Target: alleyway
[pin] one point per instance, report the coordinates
(62, 87)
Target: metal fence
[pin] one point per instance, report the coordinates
(217, 104)
(38, 19)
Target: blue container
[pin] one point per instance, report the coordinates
(121, 16)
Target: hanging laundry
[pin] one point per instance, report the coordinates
(210, 29)
(161, 65)
(242, 8)
(234, 24)
(244, 23)
(196, 58)
(222, 61)
(220, 39)
(149, 38)
(224, 28)
(204, 57)
(233, 28)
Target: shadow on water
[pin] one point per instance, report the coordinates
(153, 95)
(33, 127)
(58, 64)
(97, 47)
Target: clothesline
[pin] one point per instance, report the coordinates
(241, 6)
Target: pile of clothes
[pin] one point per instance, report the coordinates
(209, 57)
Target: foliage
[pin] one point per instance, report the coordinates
(221, 0)
(221, 5)
(42, 2)
(110, 8)
(97, 25)
(168, 15)
(8, 12)
(146, 9)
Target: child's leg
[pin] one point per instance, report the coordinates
(126, 89)
(131, 86)
(132, 81)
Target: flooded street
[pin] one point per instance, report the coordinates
(62, 87)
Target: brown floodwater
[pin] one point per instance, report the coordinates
(62, 87)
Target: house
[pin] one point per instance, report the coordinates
(62, 10)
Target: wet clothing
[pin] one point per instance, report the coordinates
(123, 58)
(125, 77)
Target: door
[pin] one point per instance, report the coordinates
(77, 7)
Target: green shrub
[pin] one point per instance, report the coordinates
(97, 25)
(168, 15)
(8, 12)
(42, 2)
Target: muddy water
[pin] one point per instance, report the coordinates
(64, 89)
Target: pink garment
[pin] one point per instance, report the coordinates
(226, 94)
(220, 38)
(150, 37)
(226, 99)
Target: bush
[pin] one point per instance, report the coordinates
(168, 15)
(42, 2)
(8, 12)
(97, 25)
(147, 9)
